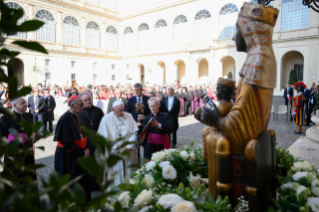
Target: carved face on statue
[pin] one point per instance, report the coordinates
(239, 40)
(224, 93)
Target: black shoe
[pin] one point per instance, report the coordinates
(306, 124)
(173, 146)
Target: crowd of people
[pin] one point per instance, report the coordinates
(147, 116)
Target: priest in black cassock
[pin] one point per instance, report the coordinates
(91, 117)
(72, 144)
(20, 106)
(157, 137)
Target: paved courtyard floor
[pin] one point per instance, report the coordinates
(190, 130)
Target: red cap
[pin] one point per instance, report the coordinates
(72, 98)
(300, 83)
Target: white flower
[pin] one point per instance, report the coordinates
(194, 180)
(145, 209)
(169, 151)
(184, 155)
(287, 185)
(301, 166)
(144, 198)
(314, 183)
(169, 200)
(164, 163)
(313, 202)
(132, 181)
(124, 198)
(315, 191)
(150, 165)
(148, 180)
(158, 156)
(184, 206)
(300, 189)
(169, 172)
(191, 157)
(299, 175)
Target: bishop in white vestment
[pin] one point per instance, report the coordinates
(115, 125)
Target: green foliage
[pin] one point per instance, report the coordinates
(230, 75)
(293, 77)
(284, 161)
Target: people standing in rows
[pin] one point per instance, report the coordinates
(118, 97)
(49, 106)
(288, 96)
(72, 144)
(36, 107)
(91, 117)
(157, 137)
(187, 103)
(120, 125)
(173, 107)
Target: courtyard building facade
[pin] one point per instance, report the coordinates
(155, 42)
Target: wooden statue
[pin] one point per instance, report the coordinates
(224, 91)
(246, 150)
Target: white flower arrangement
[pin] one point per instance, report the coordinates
(169, 172)
(169, 200)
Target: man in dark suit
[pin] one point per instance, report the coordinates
(137, 106)
(288, 95)
(173, 106)
(312, 104)
(313, 85)
(36, 107)
(162, 108)
(306, 94)
(49, 106)
(118, 93)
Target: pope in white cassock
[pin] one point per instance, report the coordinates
(115, 125)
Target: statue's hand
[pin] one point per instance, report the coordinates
(197, 114)
(210, 116)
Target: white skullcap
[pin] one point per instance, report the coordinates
(117, 103)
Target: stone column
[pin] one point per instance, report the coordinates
(82, 31)
(58, 31)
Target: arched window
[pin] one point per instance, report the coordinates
(160, 23)
(144, 37)
(47, 32)
(162, 36)
(227, 20)
(202, 15)
(228, 9)
(16, 6)
(128, 30)
(180, 19)
(111, 39)
(93, 35)
(143, 27)
(129, 39)
(203, 26)
(71, 31)
(181, 35)
(294, 15)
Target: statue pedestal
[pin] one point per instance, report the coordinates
(307, 147)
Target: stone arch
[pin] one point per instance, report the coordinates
(142, 73)
(16, 69)
(289, 61)
(203, 69)
(180, 72)
(228, 65)
(162, 68)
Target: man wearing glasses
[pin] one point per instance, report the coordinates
(72, 144)
(91, 117)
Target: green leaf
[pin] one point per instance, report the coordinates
(90, 165)
(13, 54)
(31, 25)
(7, 112)
(113, 159)
(36, 126)
(23, 91)
(41, 147)
(35, 46)
(13, 85)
